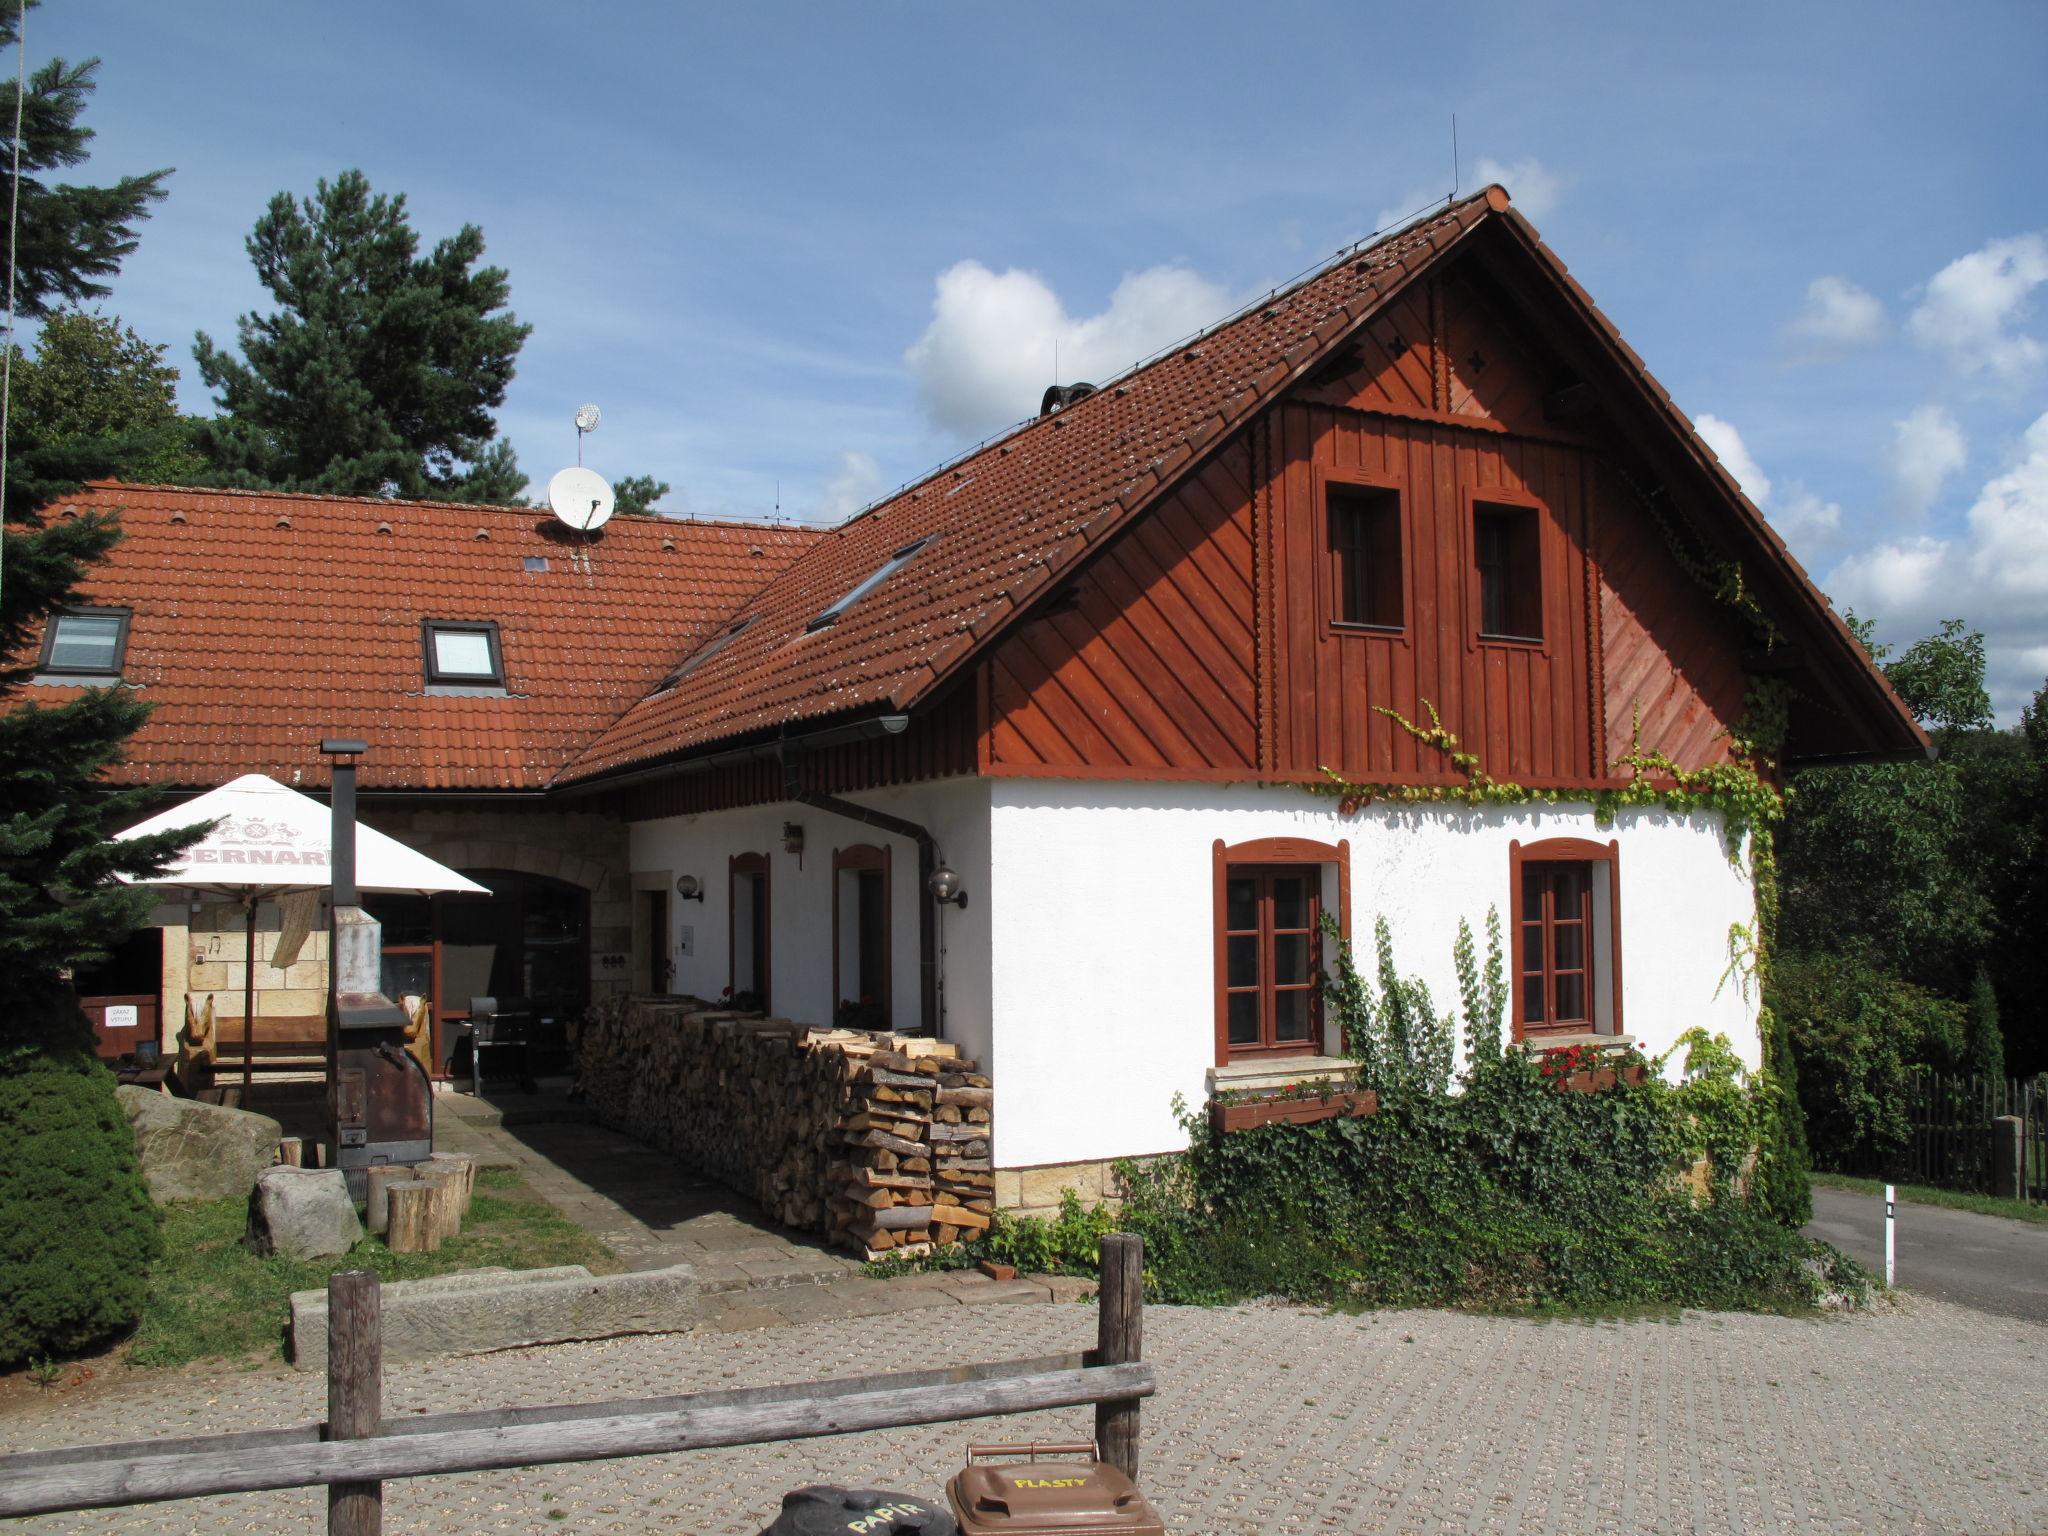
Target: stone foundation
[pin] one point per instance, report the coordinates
(1036, 1192)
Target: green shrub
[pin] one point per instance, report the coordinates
(77, 1231)
(1856, 1033)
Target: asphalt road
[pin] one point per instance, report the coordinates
(1986, 1263)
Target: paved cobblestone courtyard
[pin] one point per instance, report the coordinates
(1922, 1418)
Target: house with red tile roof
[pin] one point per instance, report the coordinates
(1035, 753)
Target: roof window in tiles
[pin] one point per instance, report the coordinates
(868, 583)
(462, 652)
(86, 642)
(704, 653)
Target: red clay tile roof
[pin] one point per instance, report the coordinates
(1006, 518)
(264, 621)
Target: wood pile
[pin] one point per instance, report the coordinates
(880, 1140)
(915, 1165)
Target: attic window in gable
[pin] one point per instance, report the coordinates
(85, 642)
(462, 652)
(704, 653)
(868, 583)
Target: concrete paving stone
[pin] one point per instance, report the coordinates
(1267, 1419)
(783, 1271)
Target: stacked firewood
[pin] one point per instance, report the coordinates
(880, 1140)
(916, 1164)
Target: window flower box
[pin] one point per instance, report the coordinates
(1290, 1109)
(1592, 1068)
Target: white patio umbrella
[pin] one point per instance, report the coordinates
(271, 841)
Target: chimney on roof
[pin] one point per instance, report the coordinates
(1060, 396)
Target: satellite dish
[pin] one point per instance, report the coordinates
(581, 498)
(587, 418)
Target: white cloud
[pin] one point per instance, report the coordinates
(1806, 521)
(856, 482)
(1735, 457)
(1839, 314)
(987, 356)
(1994, 575)
(1973, 303)
(2009, 527)
(1534, 187)
(1927, 447)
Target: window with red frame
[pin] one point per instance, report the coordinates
(1558, 976)
(1271, 942)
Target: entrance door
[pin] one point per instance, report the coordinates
(659, 966)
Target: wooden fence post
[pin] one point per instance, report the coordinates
(355, 1393)
(1120, 1340)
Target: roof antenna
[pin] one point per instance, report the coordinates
(1455, 178)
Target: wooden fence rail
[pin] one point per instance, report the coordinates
(353, 1453)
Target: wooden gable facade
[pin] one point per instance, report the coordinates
(1214, 638)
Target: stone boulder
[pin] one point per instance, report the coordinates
(304, 1213)
(194, 1151)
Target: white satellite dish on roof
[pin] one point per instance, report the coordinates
(581, 498)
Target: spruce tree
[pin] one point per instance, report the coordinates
(379, 368)
(76, 1231)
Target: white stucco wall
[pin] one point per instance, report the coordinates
(1102, 967)
(800, 900)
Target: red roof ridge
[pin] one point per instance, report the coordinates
(329, 498)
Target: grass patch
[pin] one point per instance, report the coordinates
(1926, 1194)
(211, 1298)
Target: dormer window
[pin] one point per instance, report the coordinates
(704, 653)
(463, 652)
(85, 643)
(868, 583)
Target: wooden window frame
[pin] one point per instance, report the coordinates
(1477, 498)
(757, 864)
(1566, 850)
(867, 856)
(47, 667)
(436, 678)
(1268, 852)
(1329, 590)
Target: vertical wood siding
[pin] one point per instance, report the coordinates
(1150, 668)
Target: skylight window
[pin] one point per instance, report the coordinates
(462, 652)
(86, 642)
(704, 653)
(868, 583)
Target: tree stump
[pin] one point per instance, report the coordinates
(291, 1151)
(448, 1202)
(377, 1184)
(463, 1163)
(413, 1221)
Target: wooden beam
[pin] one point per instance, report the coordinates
(103, 1481)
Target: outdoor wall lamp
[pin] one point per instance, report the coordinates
(944, 885)
(793, 837)
(689, 887)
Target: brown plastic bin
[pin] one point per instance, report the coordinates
(1053, 1489)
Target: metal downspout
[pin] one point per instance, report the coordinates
(927, 861)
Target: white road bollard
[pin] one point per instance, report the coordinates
(1891, 1221)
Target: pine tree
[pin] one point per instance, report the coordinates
(379, 368)
(75, 1226)
(635, 495)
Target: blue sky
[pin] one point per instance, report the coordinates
(811, 250)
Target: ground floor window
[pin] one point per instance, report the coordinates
(747, 940)
(1567, 937)
(860, 937)
(1270, 897)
